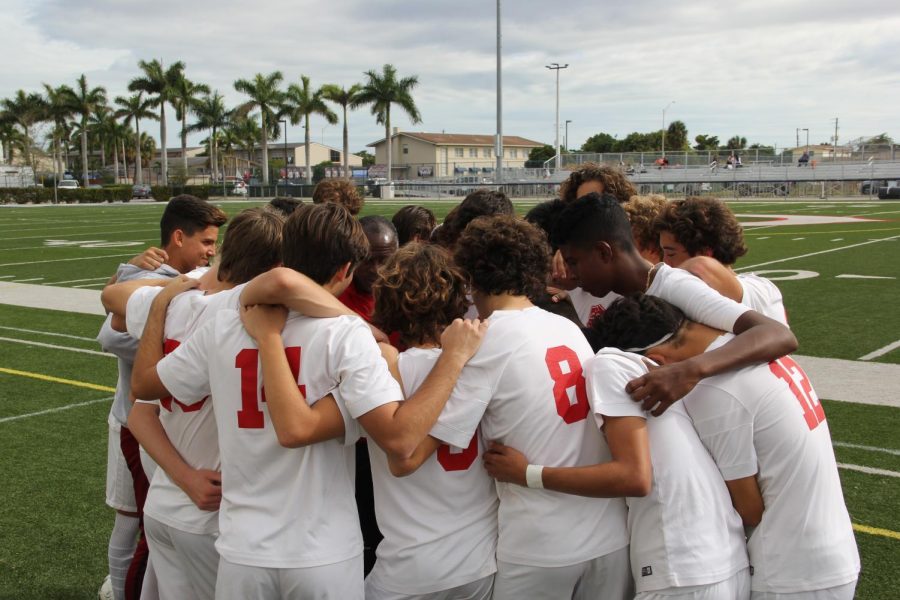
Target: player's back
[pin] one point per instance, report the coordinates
(763, 296)
(805, 539)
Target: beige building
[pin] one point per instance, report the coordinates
(296, 156)
(445, 155)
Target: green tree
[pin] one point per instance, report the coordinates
(368, 159)
(10, 137)
(265, 95)
(86, 102)
(187, 95)
(343, 97)
(736, 142)
(213, 116)
(381, 91)
(25, 110)
(599, 143)
(300, 102)
(705, 143)
(246, 132)
(640, 142)
(134, 108)
(159, 84)
(58, 104)
(677, 136)
(100, 125)
(541, 153)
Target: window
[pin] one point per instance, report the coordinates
(514, 153)
(488, 152)
(335, 156)
(459, 152)
(405, 148)
(473, 152)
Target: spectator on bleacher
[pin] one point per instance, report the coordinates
(714, 164)
(803, 160)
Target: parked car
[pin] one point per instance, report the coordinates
(141, 190)
(871, 187)
(891, 190)
(239, 189)
(68, 184)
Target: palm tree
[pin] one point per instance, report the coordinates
(211, 114)
(186, 97)
(159, 84)
(246, 133)
(301, 102)
(343, 98)
(86, 102)
(10, 137)
(383, 90)
(119, 135)
(135, 107)
(25, 109)
(264, 95)
(100, 124)
(58, 103)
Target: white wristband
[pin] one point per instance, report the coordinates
(533, 476)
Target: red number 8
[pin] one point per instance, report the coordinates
(555, 357)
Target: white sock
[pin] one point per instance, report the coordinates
(122, 542)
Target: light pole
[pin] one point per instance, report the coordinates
(664, 127)
(557, 67)
(566, 139)
(498, 145)
(807, 138)
(284, 123)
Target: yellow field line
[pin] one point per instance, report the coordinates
(877, 531)
(50, 378)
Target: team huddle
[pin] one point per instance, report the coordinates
(584, 403)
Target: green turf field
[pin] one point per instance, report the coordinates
(54, 524)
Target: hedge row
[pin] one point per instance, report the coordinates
(163, 194)
(41, 195)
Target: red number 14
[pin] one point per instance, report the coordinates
(247, 360)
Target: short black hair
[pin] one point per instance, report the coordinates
(376, 224)
(636, 321)
(189, 214)
(590, 219)
(545, 214)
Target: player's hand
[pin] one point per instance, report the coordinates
(505, 464)
(179, 284)
(262, 320)
(150, 259)
(462, 338)
(204, 488)
(557, 294)
(663, 386)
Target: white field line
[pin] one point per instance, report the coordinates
(868, 470)
(881, 351)
(6, 276)
(781, 260)
(90, 285)
(50, 234)
(62, 335)
(76, 280)
(36, 262)
(53, 410)
(87, 225)
(55, 347)
(869, 448)
(78, 247)
(27, 280)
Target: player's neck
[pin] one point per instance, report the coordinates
(488, 304)
(636, 276)
(697, 339)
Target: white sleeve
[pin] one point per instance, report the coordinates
(698, 301)
(115, 342)
(365, 382)
(725, 427)
(607, 374)
(138, 309)
(461, 415)
(352, 429)
(185, 372)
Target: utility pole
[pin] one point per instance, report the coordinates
(834, 148)
(806, 129)
(798, 138)
(498, 150)
(664, 127)
(566, 139)
(557, 67)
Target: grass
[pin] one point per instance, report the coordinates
(54, 525)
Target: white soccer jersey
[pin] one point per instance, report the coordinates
(526, 381)
(767, 419)
(685, 532)
(190, 428)
(590, 307)
(282, 507)
(763, 296)
(439, 523)
(697, 301)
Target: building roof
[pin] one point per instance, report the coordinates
(464, 139)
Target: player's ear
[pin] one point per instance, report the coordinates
(343, 273)
(178, 237)
(605, 250)
(657, 356)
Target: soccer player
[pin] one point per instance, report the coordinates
(288, 519)
(702, 236)
(642, 212)
(188, 229)
(480, 203)
(414, 224)
(382, 237)
(525, 387)
(767, 432)
(594, 236)
(595, 178)
(339, 191)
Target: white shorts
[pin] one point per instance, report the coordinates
(736, 587)
(119, 482)
(186, 563)
(607, 577)
(339, 581)
(476, 590)
(839, 592)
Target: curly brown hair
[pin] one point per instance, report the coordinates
(339, 191)
(701, 223)
(413, 222)
(419, 291)
(642, 212)
(504, 255)
(480, 203)
(613, 179)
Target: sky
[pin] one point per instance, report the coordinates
(757, 69)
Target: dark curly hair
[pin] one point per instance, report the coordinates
(590, 219)
(419, 291)
(544, 215)
(636, 321)
(339, 191)
(504, 255)
(613, 179)
(642, 212)
(413, 222)
(480, 203)
(703, 223)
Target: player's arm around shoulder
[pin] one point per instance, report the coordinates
(296, 423)
(294, 290)
(715, 275)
